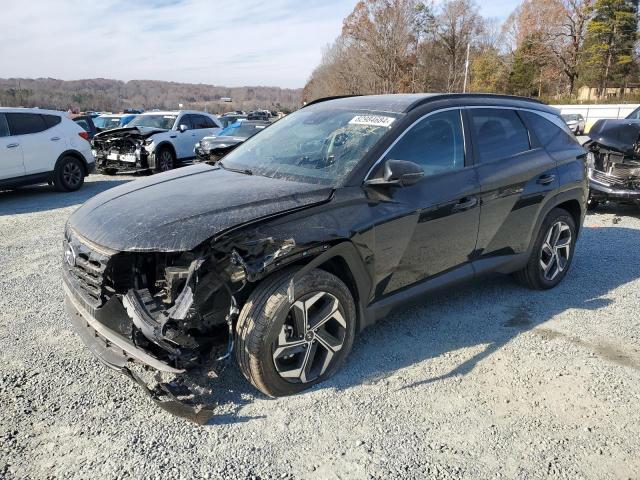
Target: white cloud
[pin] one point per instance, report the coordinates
(233, 43)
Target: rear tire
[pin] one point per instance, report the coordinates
(552, 252)
(165, 160)
(285, 347)
(68, 175)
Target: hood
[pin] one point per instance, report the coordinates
(139, 132)
(620, 135)
(178, 210)
(225, 140)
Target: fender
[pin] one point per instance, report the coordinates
(363, 283)
(75, 154)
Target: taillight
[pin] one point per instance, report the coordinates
(84, 135)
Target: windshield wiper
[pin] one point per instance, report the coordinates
(246, 171)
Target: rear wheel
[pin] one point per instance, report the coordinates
(552, 253)
(164, 160)
(68, 175)
(288, 345)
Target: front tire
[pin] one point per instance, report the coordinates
(284, 346)
(68, 175)
(165, 160)
(552, 252)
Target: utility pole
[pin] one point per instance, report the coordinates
(466, 69)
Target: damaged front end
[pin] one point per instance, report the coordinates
(172, 313)
(614, 161)
(123, 149)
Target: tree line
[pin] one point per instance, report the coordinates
(545, 48)
(113, 95)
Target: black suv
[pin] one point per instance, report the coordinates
(323, 223)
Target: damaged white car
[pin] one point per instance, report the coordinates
(157, 141)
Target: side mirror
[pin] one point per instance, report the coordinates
(183, 128)
(399, 172)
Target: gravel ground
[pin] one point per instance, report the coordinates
(490, 380)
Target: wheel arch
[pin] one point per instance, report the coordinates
(163, 144)
(75, 154)
(343, 261)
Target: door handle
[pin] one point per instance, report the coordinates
(546, 179)
(13, 145)
(465, 204)
(55, 139)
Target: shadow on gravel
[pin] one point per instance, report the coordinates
(39, 198)
(489, 314)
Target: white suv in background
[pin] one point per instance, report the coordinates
(42, 146)
(157, 141)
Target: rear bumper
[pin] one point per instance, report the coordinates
(109, 346)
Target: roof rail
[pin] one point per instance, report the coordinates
(422, 101)
(326, 99)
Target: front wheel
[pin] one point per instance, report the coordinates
(164, 161)
(552, 252)
(68, 175)
(287, 345)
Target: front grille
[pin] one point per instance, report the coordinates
(604, 178)
(86, 270)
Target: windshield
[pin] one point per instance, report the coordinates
(571, 118)
(106, 122)
(319, 144)
(241, 130)
(154, 121)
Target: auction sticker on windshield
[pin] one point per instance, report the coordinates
(372, 120)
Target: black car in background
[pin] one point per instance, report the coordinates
(86, 122)
(262, 115)
(212, 149)
(323, 223)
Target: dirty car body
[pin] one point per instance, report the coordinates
(614, 161)
(312, 197)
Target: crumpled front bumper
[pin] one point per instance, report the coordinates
(600, 189)
(109, 346)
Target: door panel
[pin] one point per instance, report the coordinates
(11, 163)
(185, 141)
(39, 144)
(513, 191)
(432, 226)
(515, 176)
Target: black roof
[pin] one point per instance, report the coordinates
(405, 102)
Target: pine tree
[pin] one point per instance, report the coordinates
(608, 58)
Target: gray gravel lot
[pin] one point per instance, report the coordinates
(488, 381)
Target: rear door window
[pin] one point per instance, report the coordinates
(25, 123)
(4, 126)
(200, 121)
(498, 133)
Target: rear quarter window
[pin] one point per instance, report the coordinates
(550, 135)
(51, 120)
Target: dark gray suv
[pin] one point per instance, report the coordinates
(307, 233)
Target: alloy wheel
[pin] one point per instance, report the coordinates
(165, 161)
(72, 174)
(313, 333)
(556, 250)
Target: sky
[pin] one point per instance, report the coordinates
(230, 43)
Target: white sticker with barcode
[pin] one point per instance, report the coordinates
(372, 120)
